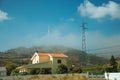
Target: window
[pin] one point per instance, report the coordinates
(59, 61)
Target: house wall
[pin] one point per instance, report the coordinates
(23, 70)
(55, 63)
(36, 59)
(40, 58)
(112, 76)
(44, 58)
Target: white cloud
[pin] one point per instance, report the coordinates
(94, 40)
(111, 10)
(56, 38)
(3, 15)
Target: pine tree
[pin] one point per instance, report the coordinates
(113, 63)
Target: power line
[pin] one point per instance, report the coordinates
(112, 51)
(104, 48)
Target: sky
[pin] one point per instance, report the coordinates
(27, 23)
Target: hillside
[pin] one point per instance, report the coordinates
(107, 55)
(22, 55)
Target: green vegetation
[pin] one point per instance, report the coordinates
(76, 70)
(113, 65)
(33, 71)
(15, 72)
(10, 66)
(94, 69)
(62, 69)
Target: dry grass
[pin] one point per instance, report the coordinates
(67, 77)
(96, 79)
(55, 77)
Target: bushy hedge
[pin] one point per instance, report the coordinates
(34, 71)
(15, 72)
(62, 69)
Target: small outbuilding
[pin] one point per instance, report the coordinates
(112, 76)
(3, 71)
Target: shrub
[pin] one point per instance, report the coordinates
(34, 71)
(10, 66)
(15, 72)
(62, 69)
(42, 71)
(77, 70)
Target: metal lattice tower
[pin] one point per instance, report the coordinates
(83, 37)
(85, 2)
(83, 30)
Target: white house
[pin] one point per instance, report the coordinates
(112, 76)
(47, 61)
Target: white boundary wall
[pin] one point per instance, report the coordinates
(112, 76)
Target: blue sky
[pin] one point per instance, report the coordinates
(25, 23)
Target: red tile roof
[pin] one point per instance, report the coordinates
(52, 54)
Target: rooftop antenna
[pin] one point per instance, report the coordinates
(48, 30)
(48, 39)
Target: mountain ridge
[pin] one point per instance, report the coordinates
(22, 55)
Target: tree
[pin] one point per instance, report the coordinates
(113, 65)
(62, 69)
(10, 66)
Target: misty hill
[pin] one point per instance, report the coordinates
(107, 55)
(22, 55)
